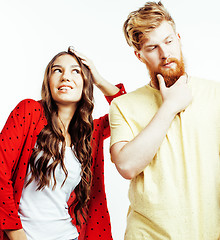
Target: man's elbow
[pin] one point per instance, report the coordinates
(126, 171)
(122, 162)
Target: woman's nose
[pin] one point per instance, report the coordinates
(65, 77)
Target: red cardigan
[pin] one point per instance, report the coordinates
(18, 138)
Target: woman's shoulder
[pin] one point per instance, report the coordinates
(29, 107)
(28, 102)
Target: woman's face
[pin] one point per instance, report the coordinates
(66, 82)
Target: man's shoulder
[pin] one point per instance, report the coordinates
(205, 82)
(206, 90)
(131, 96)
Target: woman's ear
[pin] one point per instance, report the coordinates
(138, 55)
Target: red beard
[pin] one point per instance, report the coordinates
(170, 75)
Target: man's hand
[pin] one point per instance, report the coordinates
(178, 96)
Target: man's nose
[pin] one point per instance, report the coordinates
(164, 53)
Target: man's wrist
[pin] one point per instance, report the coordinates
(169, 109)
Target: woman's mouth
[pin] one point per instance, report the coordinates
(64, 88)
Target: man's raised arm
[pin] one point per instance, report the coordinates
(131, 158)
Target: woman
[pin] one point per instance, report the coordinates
(51, 173)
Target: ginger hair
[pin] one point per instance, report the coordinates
(142, 21)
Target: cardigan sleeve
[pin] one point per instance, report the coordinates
(12, 138)
(104, 121)
(119, 93)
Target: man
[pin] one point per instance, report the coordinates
(166, 138)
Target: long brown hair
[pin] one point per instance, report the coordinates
(51, 141)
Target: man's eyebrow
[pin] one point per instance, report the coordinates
(169, 36)
(150, 45)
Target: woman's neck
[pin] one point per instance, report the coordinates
(65, 115)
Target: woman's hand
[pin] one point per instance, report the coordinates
(97, 78)
(16, 234)
(107, 88)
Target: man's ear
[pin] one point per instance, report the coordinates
(138, 55)
(178, 36)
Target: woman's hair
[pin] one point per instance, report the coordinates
(139, 23)
(51, 142)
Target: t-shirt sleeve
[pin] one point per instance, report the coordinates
(219, 118)
(120, 129)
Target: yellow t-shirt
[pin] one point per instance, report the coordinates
(177, 196)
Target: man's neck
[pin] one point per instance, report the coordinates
(151, 84)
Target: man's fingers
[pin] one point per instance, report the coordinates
(161, 81)
(183, 78)
(187, 77)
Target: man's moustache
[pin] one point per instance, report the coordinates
(168, 60)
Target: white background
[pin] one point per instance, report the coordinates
(33, 31)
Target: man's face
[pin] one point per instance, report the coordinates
(161, 52)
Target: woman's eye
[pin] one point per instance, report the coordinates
(57, 70)
(76, 71)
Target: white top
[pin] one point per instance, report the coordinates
(44, 214)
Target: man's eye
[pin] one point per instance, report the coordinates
(169, 41)
(151, 48)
